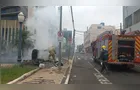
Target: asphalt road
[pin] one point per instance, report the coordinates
(85, 71)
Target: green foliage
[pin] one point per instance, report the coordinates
(27, 42)
(9, 74)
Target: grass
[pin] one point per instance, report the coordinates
(9, 74)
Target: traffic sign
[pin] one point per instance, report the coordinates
(60, 39)
(60, 34)
(70, 40)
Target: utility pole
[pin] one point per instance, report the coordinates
(73, 30)
(120, 28)
(0, 34)
(68, 49)
(60, 27)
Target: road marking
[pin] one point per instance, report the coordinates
(90, 64)
(101, 78)
(96, 70)
(78, 58)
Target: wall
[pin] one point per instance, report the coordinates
(128, 10)
(133, 27)
(30, 11)
(86, 39)
(11, 26)
(91, 34)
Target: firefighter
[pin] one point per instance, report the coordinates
(104, 58)
(52, 53)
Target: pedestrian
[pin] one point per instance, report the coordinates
(104, 57)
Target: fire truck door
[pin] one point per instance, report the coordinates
(114, 48)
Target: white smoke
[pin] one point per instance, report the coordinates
(45, 23)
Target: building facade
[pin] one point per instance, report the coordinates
(80, 48)
(9, 24)
(67, 44)
(131, 18)
(11, 12)
(91, 34)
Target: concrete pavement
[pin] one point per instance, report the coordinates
(85, 71)
(47, 76)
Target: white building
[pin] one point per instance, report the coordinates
(131, 18)
(92, 33)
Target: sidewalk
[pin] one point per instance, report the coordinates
(47, 76)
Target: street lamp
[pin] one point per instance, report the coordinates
(21, 20)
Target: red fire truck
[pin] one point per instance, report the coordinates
(122, 49)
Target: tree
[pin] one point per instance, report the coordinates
(27, 41)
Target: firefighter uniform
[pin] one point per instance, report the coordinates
(104, 58)
(52, 53)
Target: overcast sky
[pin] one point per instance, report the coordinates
(86, 15)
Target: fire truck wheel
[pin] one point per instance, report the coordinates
(130, 66)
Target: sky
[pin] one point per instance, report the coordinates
(86, 15)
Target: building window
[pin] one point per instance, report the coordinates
(137, 16)
(128, 21)
(13, 34)
(10, 10)
(2, 33)
(9, 34)
(99, 27)
(17, 34)
(6, 34)
(11, 17)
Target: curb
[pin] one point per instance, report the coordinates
(24, 76)
(65, 76)
(68, 74)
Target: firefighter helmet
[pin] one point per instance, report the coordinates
(103, 47)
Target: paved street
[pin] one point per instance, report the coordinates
(84, 71)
